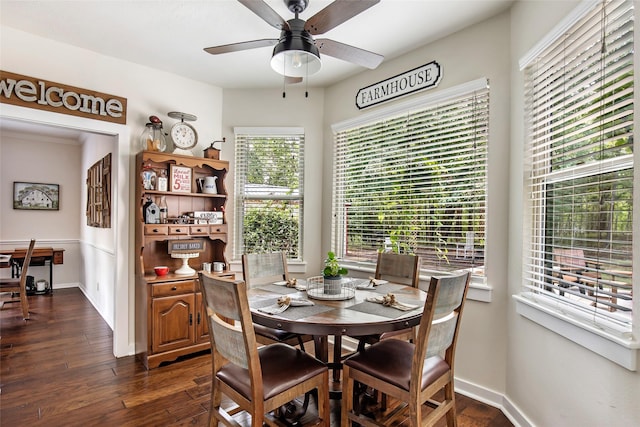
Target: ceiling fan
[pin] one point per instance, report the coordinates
(296, 53)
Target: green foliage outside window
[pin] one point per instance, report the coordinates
(271, 230)
(272, 191)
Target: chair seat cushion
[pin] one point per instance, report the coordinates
(274, 334)
(390, 361)
(283, 367)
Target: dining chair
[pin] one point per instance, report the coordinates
(18, 285)
(258, 380)
(396, 268)
(265, 269)
(413, 373)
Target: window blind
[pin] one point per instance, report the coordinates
(415, 182)
(269, 190)
(579, 98)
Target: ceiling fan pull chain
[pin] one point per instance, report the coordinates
(306, 83)
(284, 79)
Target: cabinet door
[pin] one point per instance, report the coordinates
(202, 324)
(173, 319)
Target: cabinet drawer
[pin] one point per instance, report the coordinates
(172, 288)
(218, 228)
(156, 229)
(198, 229)
(179, 229)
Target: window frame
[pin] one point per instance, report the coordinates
(606, 338)
(419, 103)
(248, 132)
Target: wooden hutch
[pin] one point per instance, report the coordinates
(170, 320)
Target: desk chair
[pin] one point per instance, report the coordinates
(396, 268)
(413, 373)
(19, 285)
(258, 380)
(264, 269)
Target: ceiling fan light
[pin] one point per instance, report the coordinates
(296, 57)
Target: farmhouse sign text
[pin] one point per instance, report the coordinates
(419, 78)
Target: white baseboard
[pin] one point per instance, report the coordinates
(66, 285)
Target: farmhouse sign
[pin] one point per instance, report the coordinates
(423, 77)
(41, 94)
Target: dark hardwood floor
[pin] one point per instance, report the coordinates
(58, 369)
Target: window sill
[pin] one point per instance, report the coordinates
(612, 343)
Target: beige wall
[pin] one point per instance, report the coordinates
(44, 159)
(551, 380)
(268, 108)
(477, 52)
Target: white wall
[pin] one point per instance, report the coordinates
(268, 108)
(465, 56)
(98, 254)
(553, 381)
(148, 92)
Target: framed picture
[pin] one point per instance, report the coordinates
(36, 196)
(180, 179)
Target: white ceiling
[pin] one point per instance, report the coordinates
(170, 34)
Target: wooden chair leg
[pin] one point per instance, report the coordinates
(25, 305)
(347, 397)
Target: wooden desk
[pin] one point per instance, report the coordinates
(40, 257)
(353, 317)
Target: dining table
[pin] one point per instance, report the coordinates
(350, 313)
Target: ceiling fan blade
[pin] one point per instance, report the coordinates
(335, 14)
(349, 53)
(236, 47)
(264, 11)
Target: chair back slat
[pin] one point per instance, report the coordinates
(452, 290)
(440, 323)
(441, 335)
(229, 340)
(230, 325)
(398, 268)
(260, 269)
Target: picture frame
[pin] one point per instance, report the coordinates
(36, 196)
(180, 179)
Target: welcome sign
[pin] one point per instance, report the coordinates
(419, 78)
(31, 92)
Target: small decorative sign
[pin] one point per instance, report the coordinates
(186, 246)
(180, 179)
(420, 78)
(32, 92)
(208, 217)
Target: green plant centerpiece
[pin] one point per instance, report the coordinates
(332, 273)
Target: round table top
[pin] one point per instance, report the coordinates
(354, 317)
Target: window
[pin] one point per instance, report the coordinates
(579, 99)
(413, 179)
(269, 190)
